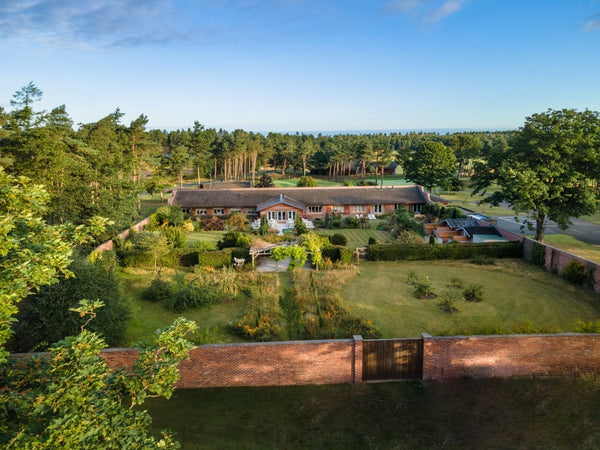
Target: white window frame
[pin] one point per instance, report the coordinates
(235, 210)
(339, 209)
(201, 211)
(416, 208)
(315, 209)
(357, 208)
(218, 211)
(378, 209)
(291, 215)
(185, 210)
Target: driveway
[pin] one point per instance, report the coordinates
(587, 232)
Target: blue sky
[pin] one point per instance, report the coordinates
(305, 65)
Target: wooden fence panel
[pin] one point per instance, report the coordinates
(392, 359)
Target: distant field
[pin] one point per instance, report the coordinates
(360, 238)
(391, 180)
(573, 245)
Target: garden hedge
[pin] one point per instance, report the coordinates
(395, 252)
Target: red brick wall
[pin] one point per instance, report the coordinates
(108, 245)
(506, 356)
(263, 364)
(556, 260)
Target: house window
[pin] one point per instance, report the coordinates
(417, 208)
(185, 210)
(291, 215)
(251, 211)
(315, 209)
(272, 215)
(358, 208)
(218, 211)
(281, 215)
(235, 210)
(201, 212)
(338, 209)
(399, 205)
(377, 209)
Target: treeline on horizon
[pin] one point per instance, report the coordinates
(99, 168)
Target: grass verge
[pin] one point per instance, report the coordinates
(558, 413)
(573, 245)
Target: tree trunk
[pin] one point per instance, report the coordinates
(540, 227)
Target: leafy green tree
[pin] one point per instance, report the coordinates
(549, 168)
(433, 164)
(465, 147)
(307, 182)
(279, 254)
(264, 182)
(23, 116)
(314, 244)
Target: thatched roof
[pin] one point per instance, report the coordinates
(251, 197)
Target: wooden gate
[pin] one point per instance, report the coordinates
(392, 359)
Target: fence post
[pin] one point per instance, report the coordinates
(357, 366)
(427, 354)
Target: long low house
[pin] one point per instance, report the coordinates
(284, 204)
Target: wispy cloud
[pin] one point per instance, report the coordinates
(126, 23)
(425, 10)
(593, 23)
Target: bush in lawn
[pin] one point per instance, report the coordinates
(456, 282)
(236, 221)
(409, 237)
(264, 226)
(575, 272)
(473, 293)
(412, 277)
(264, 182)
(159, 289)
(330, 221)
(191, 295)
(372, 241)
(351, 222)
(170, 216)
(432, 240)
(401, 220)
(234, 239)
(212, 224)
(423, 288)
(448, 302)
(307, 182)
(338, 239)
(175, 236)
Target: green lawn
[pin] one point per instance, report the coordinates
(593, 218)
(360, 238)
(390, 180)
(206, 236)
(540, 413)
(573, 245)
(466, 200)
(150, 203)
(514, 292)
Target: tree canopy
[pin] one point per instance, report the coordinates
(550, 169)
(433, 164)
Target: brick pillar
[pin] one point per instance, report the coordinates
(428, 363)
(357, 366)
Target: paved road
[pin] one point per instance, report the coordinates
(580, 229)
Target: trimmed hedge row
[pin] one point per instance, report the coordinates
(339, 253)
(395, 252)
(184, 257)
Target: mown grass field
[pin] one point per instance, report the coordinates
(540, 413)
(573, 245)
(360, 238)
(514, 293)
(206, 236)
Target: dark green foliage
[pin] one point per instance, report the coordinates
(338, 239)
(402, 220)
(192, 295)
(448, 302)
(575, 272)
(482, 260)
(307, 182)
(264, 182)
(588, 327)
(423, 288)
(436, 212)
(170, 215)
(454, 185)
(338, 253)
(372, 241)
(44, 317)
(216, 259)
(473, 293)
(366, 183)
(538, 254)
(264, 226)
(432, 240)
(329, 221)
(229, 239)
(159, 290)
(392, 252)
(300, 226)
(176, 237)
(241, 252)
(351, 222)
(291, 314)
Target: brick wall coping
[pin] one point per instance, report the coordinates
(511, 336)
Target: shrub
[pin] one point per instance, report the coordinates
(300, 226)
(397, 252)
(448, 302)
(372, 240)
(432, 240)
(264, 226)
(192, 295)
(423, 288)
(575, 272)
(473, 293)
(588, 327)
(202, 245)
(212, 224)
(351, 222)
(409, 237)
(456, 282)
(338, 239)
(159, 290)
(170, 216)
(175, 236)
(538, 254)
(261, 328)
(307, 182)
(216, 259)
(264, 182)
(412, 277)
(228, 240)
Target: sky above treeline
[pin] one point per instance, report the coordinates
(305, 65)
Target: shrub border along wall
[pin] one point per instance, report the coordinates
(397, 252)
